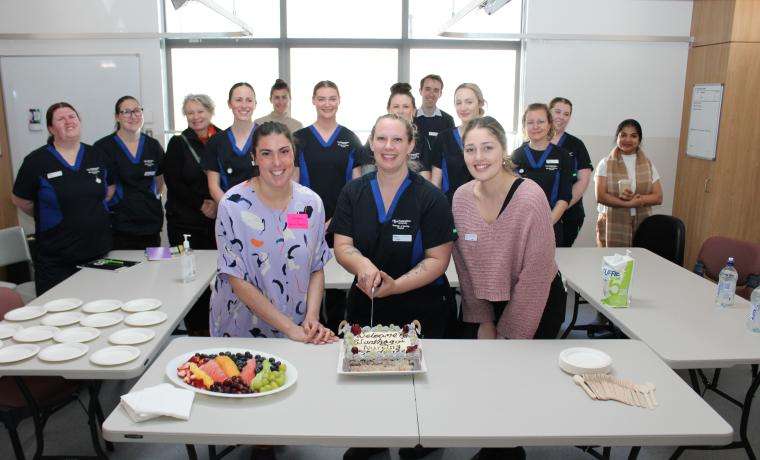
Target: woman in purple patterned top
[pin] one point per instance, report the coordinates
(270, 235)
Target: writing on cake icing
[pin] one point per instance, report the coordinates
(381, 341)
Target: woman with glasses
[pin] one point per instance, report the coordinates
(136, 162)
(550, 166)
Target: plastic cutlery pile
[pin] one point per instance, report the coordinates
(605, 387)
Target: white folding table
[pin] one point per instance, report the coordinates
(673, 311)
(156, 279)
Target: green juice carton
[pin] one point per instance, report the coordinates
(617, 279)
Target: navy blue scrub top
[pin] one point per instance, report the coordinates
(222, 156)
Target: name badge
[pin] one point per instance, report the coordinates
(298, 221)
(229, 170)
(402, 238)
(554, 161)
(54, 174)
(150, 173)
(432, 133)
(470, 237)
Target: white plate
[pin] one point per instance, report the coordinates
(7, 330)
(35, 334)
(19, 352)
(113, 356)
(63, 352)
(138, 305)
(131, 336)
(76, 334)
(63, 319)
(291, 373)
(24, 313)
(146, 318)
(341, 356)
(102, 320)
(582, 360)
(102, 306)
(62, 305)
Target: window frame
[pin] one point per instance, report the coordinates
(403, 45)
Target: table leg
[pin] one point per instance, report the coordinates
(746, 408)
(101, 420)
(572, 299)
(634, 453)
(39, 422)
(92, 414)
(191, 453)
(606, 453)
(695, 381)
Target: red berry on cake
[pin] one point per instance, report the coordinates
(411, 348)
(356, 329)
(354, 350)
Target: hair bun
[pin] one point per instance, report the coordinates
(403, 88)
(279, 81)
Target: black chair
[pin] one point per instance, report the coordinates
(663, 235)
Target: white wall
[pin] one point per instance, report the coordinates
(610, 81)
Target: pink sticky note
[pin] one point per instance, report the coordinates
(298, 221)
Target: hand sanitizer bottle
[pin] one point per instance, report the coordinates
(187, 259)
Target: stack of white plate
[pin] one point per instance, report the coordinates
(76, 334)
(24, 313)
(19, 352)
(63, 352)
(113, 356)
(138, 305)
(582, 360)
(102, 319)
(59, 305)
(131, 336)
(35, 334)
(66, 318)
(102, 306)
(146, 318)
(7, 330)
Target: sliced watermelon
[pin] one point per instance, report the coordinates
(248, 372)
(212, 368)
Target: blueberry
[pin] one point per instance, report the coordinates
(271, 360)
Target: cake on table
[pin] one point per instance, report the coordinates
(381, 348)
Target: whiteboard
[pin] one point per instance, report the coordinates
(704, 120)
(92, 84)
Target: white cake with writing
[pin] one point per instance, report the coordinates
(380, 348)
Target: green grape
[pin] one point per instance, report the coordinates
(280, 380)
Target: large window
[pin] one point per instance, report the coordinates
(362, 45)
(213, 70)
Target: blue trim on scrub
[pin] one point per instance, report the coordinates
(223, 181)
(458, 138)
(328, 142)
(381, 214)
(350, 166)
(50, 210)
(444, 176)
(105, 190)
(233, 142)
(140, 145)
(417, 250)
(303, 170)
(80, 156)
(555, 190)
(562, 139)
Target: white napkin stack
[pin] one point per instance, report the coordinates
(164, 399)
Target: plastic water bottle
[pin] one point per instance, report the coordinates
(753, 322)
(726, 285)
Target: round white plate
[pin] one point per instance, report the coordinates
(7, 330)
(63, 352)
(138, 305)
(102, 306)
(102, 320)
(35, 334)
(581, 360)
(146, 318)
(76, 334)
(24, 313)
(131, 336)
(291, 373)
(66, 318)
(113, 356)
(62, 305)
(19, 352)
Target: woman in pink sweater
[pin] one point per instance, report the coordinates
(505, 252)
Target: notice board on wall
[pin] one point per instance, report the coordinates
(704, 120)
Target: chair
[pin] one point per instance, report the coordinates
(663, 235)
(49, 393)
(716, 250)
(14, 249)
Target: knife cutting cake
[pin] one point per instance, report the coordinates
(381, 348)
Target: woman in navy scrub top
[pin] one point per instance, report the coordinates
(228, 160)
(136, 161)
(394, 230)
(64, 185)
(572, 220)
(401, 102)
(550, 166)
(449, 170)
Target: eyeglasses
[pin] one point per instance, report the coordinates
(137, 112)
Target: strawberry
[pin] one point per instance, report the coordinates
(356, 329)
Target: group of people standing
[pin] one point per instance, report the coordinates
(274, 197)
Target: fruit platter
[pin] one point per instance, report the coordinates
(231, 372)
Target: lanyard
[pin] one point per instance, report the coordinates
(540, 163)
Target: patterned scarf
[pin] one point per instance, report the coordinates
(620, 224)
